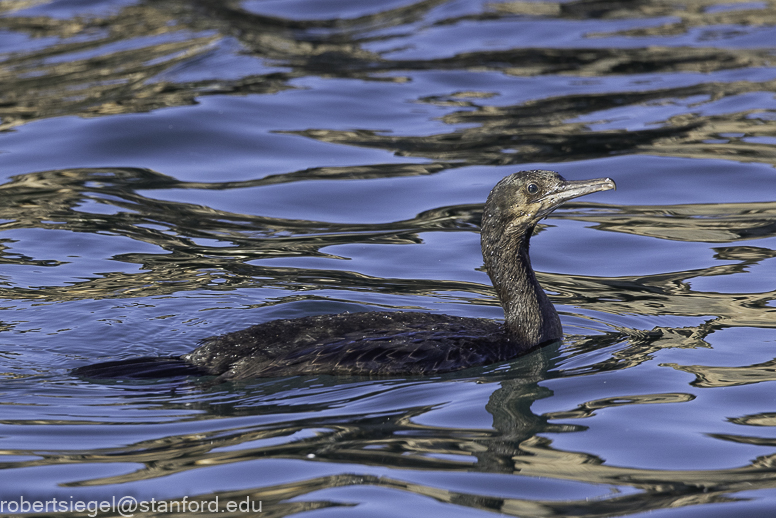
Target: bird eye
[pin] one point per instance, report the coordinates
(532, 188)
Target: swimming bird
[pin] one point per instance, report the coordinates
(400, 343)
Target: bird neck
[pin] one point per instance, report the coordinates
(530, 317)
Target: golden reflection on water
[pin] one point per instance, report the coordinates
(97, 80)
(510, 447)
(710, 377)
(50, 200)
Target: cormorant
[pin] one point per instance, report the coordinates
(400, 343)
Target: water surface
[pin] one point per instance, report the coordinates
(178, 169)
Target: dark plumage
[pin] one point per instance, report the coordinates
(396, 343)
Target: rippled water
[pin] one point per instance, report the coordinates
(176, 169)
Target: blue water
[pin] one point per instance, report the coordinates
(172, 170)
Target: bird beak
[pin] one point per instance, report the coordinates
(569, 190)
(574, 189)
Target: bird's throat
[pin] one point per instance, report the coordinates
(530, 317)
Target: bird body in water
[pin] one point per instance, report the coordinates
(400, 343)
